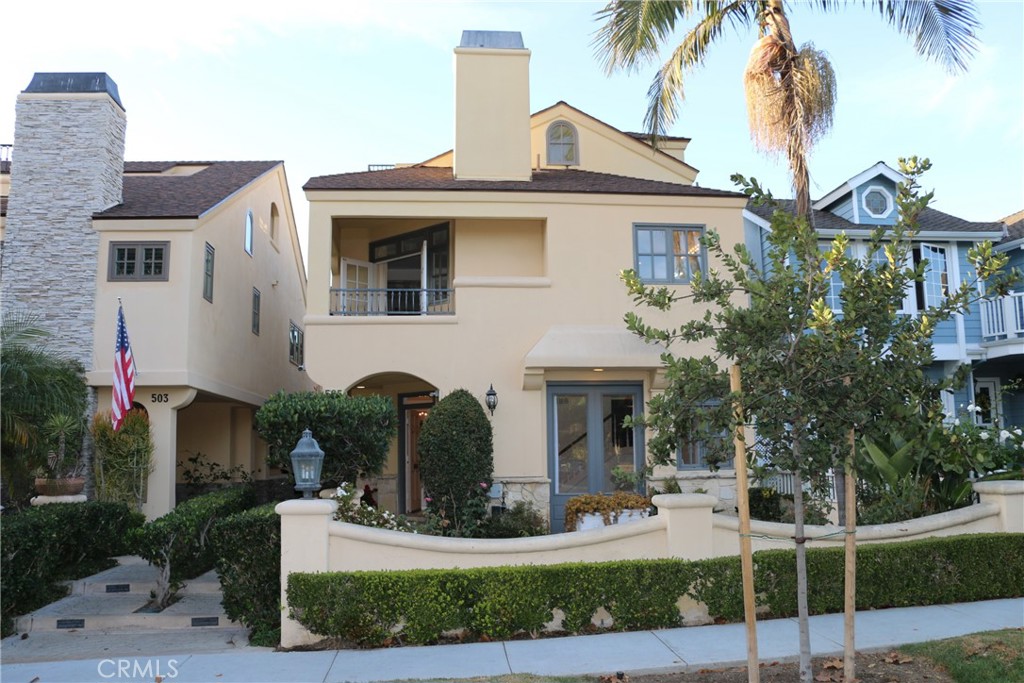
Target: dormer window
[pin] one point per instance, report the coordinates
(877, 202)
(563, 144)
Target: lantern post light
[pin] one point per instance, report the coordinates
(307, 462)
(491, 399)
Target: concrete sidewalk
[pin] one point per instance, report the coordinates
(666, 650)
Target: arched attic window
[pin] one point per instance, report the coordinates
(563, 144)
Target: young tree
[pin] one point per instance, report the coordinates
(810, 374)
(790, 91)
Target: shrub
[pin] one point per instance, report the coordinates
(765, 503)
(124, 459)
(373, 608)
(43, 545)
(247, 548)
(519, 521)
(609, 507)
(351, 510)
(353, 431)
(456, 448)
(177, 543)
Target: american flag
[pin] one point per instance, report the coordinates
(124, 374)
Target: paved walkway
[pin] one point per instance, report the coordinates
(120, 657)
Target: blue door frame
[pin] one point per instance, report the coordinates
(586, 439)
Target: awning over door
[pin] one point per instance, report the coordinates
(588, 346)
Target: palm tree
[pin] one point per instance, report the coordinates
(790, 92)
(36, 383)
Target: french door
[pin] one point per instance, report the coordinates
(587, 441)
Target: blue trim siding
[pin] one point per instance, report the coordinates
(861, 190)
(843, 209)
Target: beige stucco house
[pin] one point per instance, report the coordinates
(203, 256)
(497, 264)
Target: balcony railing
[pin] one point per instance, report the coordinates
(1003, 318)
(366, 302)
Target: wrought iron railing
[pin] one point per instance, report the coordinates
(1003, 318)
(366, 302)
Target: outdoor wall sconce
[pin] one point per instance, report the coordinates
(307, 461)
(491, 400)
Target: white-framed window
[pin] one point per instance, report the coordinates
(876, 202)
(563, 144)
(933, 289)
(668, 253)
(835, 282)
(986, 400)
(248, 233)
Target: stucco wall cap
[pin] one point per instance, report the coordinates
(492, 546)
(672, 501)
(1006, 488)
(306, 507)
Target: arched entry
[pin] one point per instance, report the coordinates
(400, 486)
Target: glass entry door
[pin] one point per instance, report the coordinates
(587, 441)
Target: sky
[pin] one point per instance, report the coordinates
(333, 86)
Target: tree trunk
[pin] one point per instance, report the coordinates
(88, 446)
(806, 672)
(839, 477)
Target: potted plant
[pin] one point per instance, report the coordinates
(62, 474)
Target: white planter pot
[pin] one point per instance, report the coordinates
(596, 521)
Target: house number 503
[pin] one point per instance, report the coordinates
(159, 398)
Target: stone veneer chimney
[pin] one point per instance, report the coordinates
(68, 163)
(492, 107)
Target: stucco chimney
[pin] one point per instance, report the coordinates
(67, 164)
(492, 106)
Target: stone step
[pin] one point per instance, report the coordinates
(138, 577)
(109, 612)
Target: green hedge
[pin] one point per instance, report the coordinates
(179, 538)
(418, 606)
(247, 547)
(43, 545)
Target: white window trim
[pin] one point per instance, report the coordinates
(885, 193)
(250, 231)
(575, 142)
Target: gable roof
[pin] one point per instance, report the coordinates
(931, 221)
(880, 168)
(181, 196)
(1014, 227)
(441, 178)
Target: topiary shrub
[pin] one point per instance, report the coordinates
(247, 548)
(456, 448)
(353, 431)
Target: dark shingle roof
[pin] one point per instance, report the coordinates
(1014, 227)
(646, 137)
(181, 196)
(930, 220)
(438, 178)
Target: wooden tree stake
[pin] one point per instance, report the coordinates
(746, 553)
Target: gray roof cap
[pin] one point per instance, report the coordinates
(494, 40)
(64, 82)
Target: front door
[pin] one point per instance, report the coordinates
(587, 441)
(414, 411)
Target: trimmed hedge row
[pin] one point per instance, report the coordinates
(43, 545)
(418, 606)
(178, 540)
(247, 546)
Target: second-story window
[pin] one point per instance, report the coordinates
(248, 233)
(208, 274)
(668, 253)
(138, 261)
(255, 311)
(296, 343)
(933, 289)
(563, 144)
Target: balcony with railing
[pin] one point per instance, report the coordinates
(392, 302)
(1002, 319)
